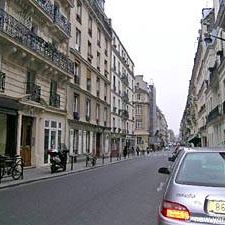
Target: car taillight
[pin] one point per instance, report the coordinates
(175, 210)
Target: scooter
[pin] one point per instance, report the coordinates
(58, 159)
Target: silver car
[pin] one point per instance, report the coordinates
(195, 190)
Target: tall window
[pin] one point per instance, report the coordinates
(76, 72)
(76, 103)
(90, 21)
(98, 87)
(106, 47)
(138, 109)
(99, 37)
(90, 56)
(79, 11)
(138, 124)
(97, 112)
(88, 109)
(88, 80)
(114, 63)
(30, 82)
(105, 116)
(105, 92)
(78, 40)
(98, 60)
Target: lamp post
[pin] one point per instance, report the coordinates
(208, 38)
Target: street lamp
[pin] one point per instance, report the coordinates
(208, 38)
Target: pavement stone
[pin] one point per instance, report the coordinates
(41, 173)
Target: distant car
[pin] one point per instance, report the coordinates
(195, 191)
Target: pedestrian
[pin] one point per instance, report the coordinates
(147, 149)
(137, 151)
(125, 152)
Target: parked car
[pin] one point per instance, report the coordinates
(195, 190)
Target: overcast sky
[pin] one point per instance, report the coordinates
(161, 39)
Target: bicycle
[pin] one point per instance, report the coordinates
(11, 166)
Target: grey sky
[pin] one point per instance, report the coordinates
(161, 39)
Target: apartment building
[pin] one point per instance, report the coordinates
(205, 109)
(122, 91)
(142, 113)
(34, 70)
(88, 102)
(162, 135)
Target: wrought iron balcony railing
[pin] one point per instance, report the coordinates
(124, 79)
(34, 91)
(20, 33)
(213, 114)
(2, 81)
(54, 100)
(76, 116)
(47, 7)
(124, 114)
(125, 97)
(63, 23)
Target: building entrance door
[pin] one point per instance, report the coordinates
(98, 144)
(26, 135)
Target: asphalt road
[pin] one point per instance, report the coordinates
(119, 194)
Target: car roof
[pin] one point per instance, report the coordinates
(202, 149)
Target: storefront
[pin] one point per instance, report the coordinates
(8, 125)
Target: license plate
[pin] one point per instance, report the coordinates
(215, 206)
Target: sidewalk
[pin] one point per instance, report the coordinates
(42, 173)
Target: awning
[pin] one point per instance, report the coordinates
(9, 105)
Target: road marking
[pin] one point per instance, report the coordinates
(159, 188)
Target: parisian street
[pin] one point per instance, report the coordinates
(123, 193)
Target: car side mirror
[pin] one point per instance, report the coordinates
(164, 170)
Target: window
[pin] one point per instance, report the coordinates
(98, 87)
(114, 101)
(90, 26)
(90, 56)
(106, 47)
(138, 124)
(98, 61)
(106, 66)
(114, 63)
(76, 103)
(119, 68)
(202, 168)
(2, 82)
(97, 112)
(105, 116)
(114, 83)
(30, 82)
(53, 136)
(114, 122)
(99, 37)
(105, 92)
(79, 11)
(138, 109)
(88, 109)
(88, 80)
(138, 96)
(139, 140)
(78, 40)
(76, 73)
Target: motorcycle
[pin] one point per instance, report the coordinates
(58, 159)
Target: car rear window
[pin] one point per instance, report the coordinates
(202, 168)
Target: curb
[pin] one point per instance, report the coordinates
(57, 175)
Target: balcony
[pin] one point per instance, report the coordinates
(34, 91)
(124, 114)
(2, 81)
(215, 113)
(54, 100)
(63, 23)
(124, 79)
(22, 35)
(46, 6)
(76, 116)
(125, 97)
